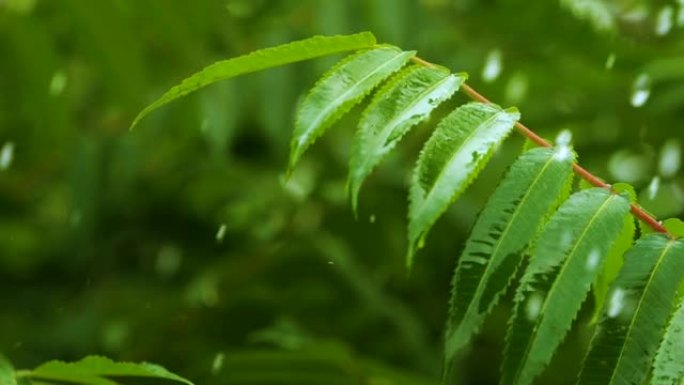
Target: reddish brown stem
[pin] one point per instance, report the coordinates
(579, 170)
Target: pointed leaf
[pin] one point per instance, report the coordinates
(459, 148)
(343, 86)
(404, 102)
(7, 376)
(669, 362)
(101, 371)
(638, 307)
(508, 223)
(611, 267)
(306, 49)
(568, 256)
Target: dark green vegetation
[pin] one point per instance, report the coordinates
(181, 243)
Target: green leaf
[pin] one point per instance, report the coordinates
(306, 49)
(668, 368)
(568, 256)
(612, 265)
(405, 101)
(508, 223)
(342, 87)
(100, 371)
(456, 152)
(7, 376)
(638, 307)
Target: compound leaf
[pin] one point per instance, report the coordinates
(668, 368)
(98, 370)
(456, 152)
(306, 49)
(567, 257)
(404, 102)
(533, 186)
(638, 307)
(343, 86)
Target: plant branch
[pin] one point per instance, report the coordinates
(637, 210)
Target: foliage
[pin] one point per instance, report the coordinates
(112, 236)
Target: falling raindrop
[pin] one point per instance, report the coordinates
(533, 306)
(653, 187)
(593, 260)
(516, 88)
(610, 61)
(331, 263)
(564, 137)
(58, 83)
(680, 14)
(217, 363)
(664, 20)
(616, 303)
(641, 90)
(670, 158)
(221, 233)
(168, 260)
(492, 67)
(6, 155)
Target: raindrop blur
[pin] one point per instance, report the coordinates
(664, 20)
(533, 306)
(641, 90)
(371, 219)
(492, 67)
(331, 263)
(168, 260)
(563, 141)
(516, 88)
(653, 188)
(58, 83)
(680, 15)
(616, 303)
(610, 61)
(217, 363)
(670, 158)
(6, 155)
(221, 233)
(593, 260)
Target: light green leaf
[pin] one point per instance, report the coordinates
(668, 368)
(342, 87)
(97, 370)
(638, 307)
(456, 152)
(612, 265)
(405, 101)
(7, 376)
(306, 49)
(508, 223)
(567, 257)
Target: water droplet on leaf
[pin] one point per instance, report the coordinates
(616, 303)
(533, 306)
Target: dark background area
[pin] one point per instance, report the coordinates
(180, 243)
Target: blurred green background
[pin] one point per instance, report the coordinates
(179, 243)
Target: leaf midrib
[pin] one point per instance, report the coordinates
(334, 104)
(630, 329)
(554, 286)
(457, 151)
(505, 233)
(387, 129)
